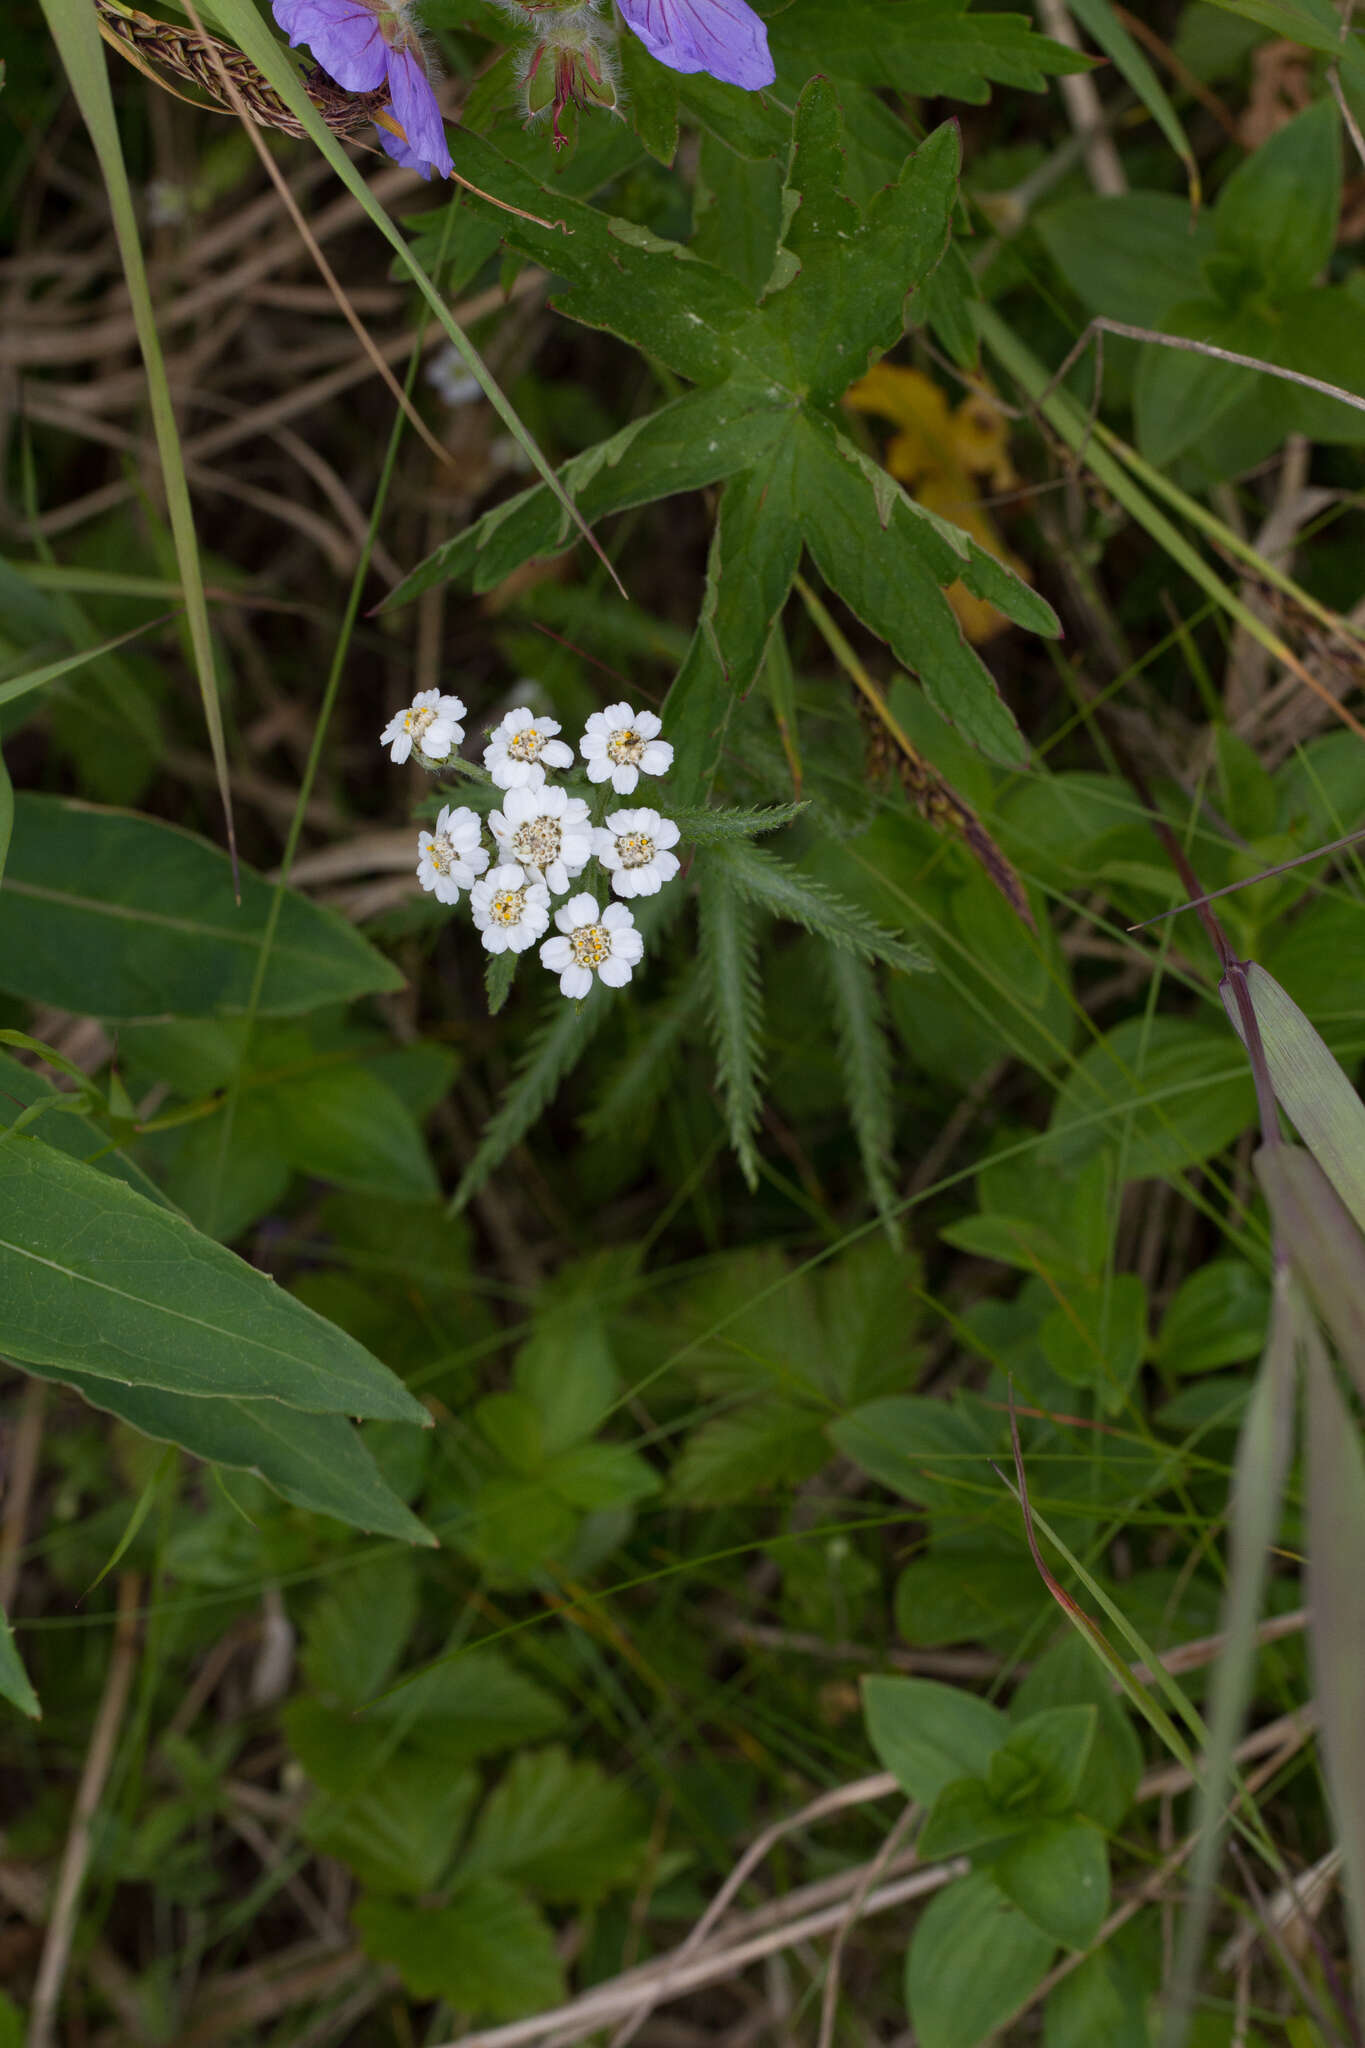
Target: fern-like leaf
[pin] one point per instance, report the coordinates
(643, 1075)
(706, 826)
(553, 1050)
(499, 973)
(729, 961)
(776, 886)
(865, 1058)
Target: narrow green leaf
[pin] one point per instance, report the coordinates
(729, 960)
(499, 973)
(53, 671)
(1310, 1086)
(93, 1275)
(6, 815)
(14, 1680)
(551, 1053)
(1336, 1599)
(74, 30)
(1123, 53)
(707, 825)
(776, 886)
(1312, 1224)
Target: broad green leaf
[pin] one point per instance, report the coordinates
(561, 1828)
(1058, 1875)
(1038, 1769)
(96, 1277)
(965, 1596)
(931, 48)
(1181, 395)
(964, 1819)
(1132, 256)
(929, 1735)
(318, 1462)
(1097, 1336)
(1278, 211)
(1217, 1317)
(1172, 1090)
(973, 1959)
(652, 98)
(1105, 1999)
(116, 916)
(345, 1124)
(489, 1952)
(14, 1680)
(924, 1449)
(597, 1476)
(1068, 1675)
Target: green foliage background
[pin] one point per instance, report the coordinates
(481, 1459)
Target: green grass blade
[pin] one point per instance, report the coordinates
(53, 671)
(1099, 18)
(245, 25)
(1336, 1599)
(14, 1680)
(72, 23)
(1259, 1474)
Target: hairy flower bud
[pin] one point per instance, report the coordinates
(572, 62)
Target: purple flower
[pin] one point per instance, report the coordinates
(366, 44)
(724, 37)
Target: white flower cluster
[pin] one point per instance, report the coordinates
(544, 836)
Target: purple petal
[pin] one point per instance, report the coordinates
(414, 104)
(344, 36)
(724, 37)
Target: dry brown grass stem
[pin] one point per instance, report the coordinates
(220, 71)
(61, 1926)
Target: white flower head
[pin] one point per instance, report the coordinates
(523, 745)
(509, 909)
(451, 858)
(430, 728)
(633, 847)
(544, 830)
(607, 946)
(623, 744)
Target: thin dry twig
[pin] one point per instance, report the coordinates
(1083, 107)
(61, 1924)
(22, 1469)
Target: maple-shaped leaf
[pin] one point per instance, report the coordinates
(763, 418)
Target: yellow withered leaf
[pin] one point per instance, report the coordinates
(942, 456)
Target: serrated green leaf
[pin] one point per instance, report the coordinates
(776, 886)
(728, 941)
(488, 1952)
(931, 48)
(865, 1060)
(561, 1828)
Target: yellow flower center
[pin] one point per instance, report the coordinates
(526, 744)
(416, 722)
(507, 906)
(636, 849)
(626, 744)
(591, 945)
(537, 843)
